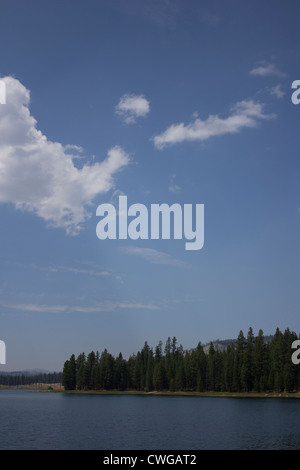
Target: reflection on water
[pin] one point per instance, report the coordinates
(32, 420)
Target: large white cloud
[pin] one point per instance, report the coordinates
(130, 107)
(246, 113)
(39, 175)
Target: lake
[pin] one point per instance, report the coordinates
(55, 421)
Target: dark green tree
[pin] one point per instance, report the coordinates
(69, 374)
(238, 362)
(80, 371)
(247, 364)
(260, 363)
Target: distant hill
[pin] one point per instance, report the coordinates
(221, 345)
(26, 372)
(28, 377)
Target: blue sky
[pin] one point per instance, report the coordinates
(165, 102)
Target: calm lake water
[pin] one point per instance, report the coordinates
(55, 421)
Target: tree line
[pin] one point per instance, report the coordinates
(9, 379)
(248, 364)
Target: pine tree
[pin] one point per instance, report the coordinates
(247, 365)
(168, 363)
(202, 366)
(90, 371)
(276, 379)
(149, 372)
(228, 368)
(80, 371)
(180, 378)
(238, 362)
(69, 374)
(66, 381)
(120, 373)
(159, 376)
(211, 368)
(259, 363)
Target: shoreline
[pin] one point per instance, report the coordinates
(58, 388)
(186, 394)
(38, 386)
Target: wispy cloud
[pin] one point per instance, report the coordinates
(208, 17)
(37, 307)
(244, 114)
(111, 306)
(266, 69)
(173, 187)
(89, 272)
(39, 176)
(131, 107)
(99, 307)
(154, 256)
(94, 271)
(277, 91)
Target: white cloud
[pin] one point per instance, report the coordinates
(65, 269)
(99, 307)
(39, 175)
(37, 308)
(131, 107)
(277, 91)
(266, 70)
(243, 114)
(117, 305)
(173, 187)
(154, 256)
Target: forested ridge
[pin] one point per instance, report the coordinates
(13, 379)
(248, 364)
